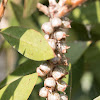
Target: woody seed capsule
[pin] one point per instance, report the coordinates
(43, 92)
(52, 43)
(66, 24)
(50, 82)
(56, 59)
(58, 73)
(53, 96)
(63, 48)
(47, 28)
(59, 35)
(63, 97)
(61, 86)
(45, 68)
(56, 22)
(40, 72)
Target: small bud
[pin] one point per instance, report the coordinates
(53, 96)
(63, 97)
(56, 59)
(40, 72)
(46, 68)
(46, 36)
(66, 24)
(43, 92)
(58, 73)
(52, 43)
(50, 82)
(56, 22)
(47, 28)
(59, 35)
(61, 86)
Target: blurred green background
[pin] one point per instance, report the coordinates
(84, 40)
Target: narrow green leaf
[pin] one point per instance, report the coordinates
(29, 43)
(76, 50)
(25, 22)
(29, 7)
(88, 14)
(98, 98)
(19, 89)
(26, 68)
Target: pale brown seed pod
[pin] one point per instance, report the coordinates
(62, 47)
(56, 59)
(52, 43)
(46, 68)
(63, 97)
(40, 72)
(59, 72)
(43, 92)
(47, 28)
(59, 35)
(50, 82)
(56, 22)
(53, 96)
(66, 24)
(61, 86)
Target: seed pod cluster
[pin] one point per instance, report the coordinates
(54, 69)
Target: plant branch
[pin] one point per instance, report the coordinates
(43, 9)
(2, 8)
(73, 6)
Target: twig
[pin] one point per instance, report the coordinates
(74, 5)
(2, 8)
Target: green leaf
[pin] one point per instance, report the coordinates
(92, 60)
(25, 22)
(26, 68)
(95, 32)
(19, 89)
(29, 7)
(78, 32)
(88, 14)
(77, 49)
(29, 43)
(98, 98)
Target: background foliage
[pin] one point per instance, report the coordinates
(84, 53)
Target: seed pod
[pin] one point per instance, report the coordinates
(46, 36)
(53, 96)
(56, 59)
(47, 28)
(52, 43)
(50, 82)
(58, 73)
(43, 92)
(56, 22)
(40, 72)
(63, 97)
(66, 24)
(46, 68)
(59, 35)
(61, 86)
(62, 47)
